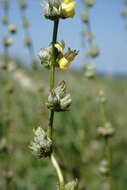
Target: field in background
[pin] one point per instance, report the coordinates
(78, 145)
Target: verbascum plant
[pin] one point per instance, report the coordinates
(7, 40)
(28, 40)
(123, 13)
(8, 94)
(107, 130)
(55, 56)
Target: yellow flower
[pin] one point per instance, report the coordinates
(68, 8)
(59, 47)
(63, 63)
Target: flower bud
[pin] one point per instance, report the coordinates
(53, 100)
(5, 20)
(5, 4)
(107, 130)
(71, 185)
(102, 98)
(90, 36)
(25, 23)
(56, 9)
(90, 71)
(22, 4)
(3, 145)
(7, 41)
(41, 146)
(125, 2)
(61, 89)
(65, 102)
(12, 28)
(58, 100)
(94, 51)
(89, 3)
(52, 9)
(85, 16)
(27, 42)
(123, 13)
(8, 175)
(104, 168)
(10, 89)
(45, 55)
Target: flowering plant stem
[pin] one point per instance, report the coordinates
(108, 153)
(107, 149)
(51, 117)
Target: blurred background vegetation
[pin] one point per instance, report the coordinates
(79, 148)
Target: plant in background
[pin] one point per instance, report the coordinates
(106, 131)
(8, 94)
(54, 57)
(27, 41)
(123, 13)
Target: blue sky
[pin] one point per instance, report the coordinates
(107, 26)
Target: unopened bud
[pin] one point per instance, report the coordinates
(71, 185)
(27, 42)
(94, 51)
(41, 146)
(90, 36)
(12, 28)
(22, 4)
(85, 16)
(52, 9)
(7, 41)
(104, 167)
(89, 3)
(123, 13)
(25, 23)
(107, 130)
(45, 55)
(101, 97)
(58, 100)
(3, 145)
(8, 175)
(56, 9)
(90, 71)
(5, 4)
(5, 20)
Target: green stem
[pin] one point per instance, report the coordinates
(59, 172)
(108, 155)
(102, 111)
(54, 40)
(52, 75)
(51, 116)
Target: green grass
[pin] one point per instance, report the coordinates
(78, 146)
